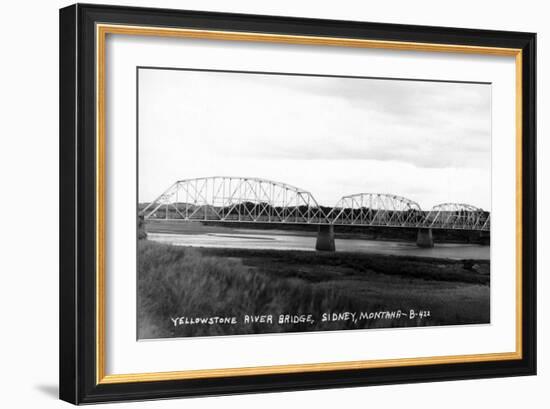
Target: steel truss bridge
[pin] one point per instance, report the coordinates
(253, 200)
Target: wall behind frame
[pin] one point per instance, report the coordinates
(29, 191)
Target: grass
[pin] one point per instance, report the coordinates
(181, 281)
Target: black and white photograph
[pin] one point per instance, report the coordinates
(264, 200)
(283, 202)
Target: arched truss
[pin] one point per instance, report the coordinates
(458, 216)
(456, 207)
(235, 199)
(241, 199)
(376, 209)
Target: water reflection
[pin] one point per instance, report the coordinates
(282, 240)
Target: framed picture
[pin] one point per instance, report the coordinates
(257, 203)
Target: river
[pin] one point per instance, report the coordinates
(284, 240)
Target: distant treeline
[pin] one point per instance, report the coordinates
(266, 208)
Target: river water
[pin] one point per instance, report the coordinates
(283, 240)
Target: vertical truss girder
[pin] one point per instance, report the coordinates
(376, 209)
(241, 199)
(457, 216)
(235, 199)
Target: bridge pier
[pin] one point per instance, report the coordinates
(325, 238)
(424, 238)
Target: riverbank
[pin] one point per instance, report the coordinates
(342, 232)
(197, 287)
(229, 236)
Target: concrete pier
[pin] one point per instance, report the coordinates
(424, 238)
(325, 238)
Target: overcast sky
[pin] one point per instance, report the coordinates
(428, 141)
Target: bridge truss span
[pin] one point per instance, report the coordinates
(236, 199)
(253, 200)
(376, 209)
(458, 216)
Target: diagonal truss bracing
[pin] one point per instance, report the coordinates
(236, 199)
(255, 200)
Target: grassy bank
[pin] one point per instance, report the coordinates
(180, 281)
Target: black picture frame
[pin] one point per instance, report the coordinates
(78, 236)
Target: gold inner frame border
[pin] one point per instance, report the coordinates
(102, 30)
